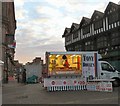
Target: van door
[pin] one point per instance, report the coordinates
(107, 71)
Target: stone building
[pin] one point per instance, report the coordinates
(99, 33)
(7, 37)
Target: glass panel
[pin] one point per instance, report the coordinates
(61, 64)
(106, 67)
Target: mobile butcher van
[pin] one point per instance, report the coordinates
(79, 71)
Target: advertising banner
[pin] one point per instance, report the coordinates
(100, 86)
(63, 82)
(88, 64)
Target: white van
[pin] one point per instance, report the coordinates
(107, 71)
(70, 66)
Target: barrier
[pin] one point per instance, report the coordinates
(68, 84)
(67, 88)
(90, 86)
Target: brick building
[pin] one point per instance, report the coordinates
(99, 33)
(7, 36)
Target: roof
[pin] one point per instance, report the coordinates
(111, 4)
(85, 20)
(74, 27)
(66, 31)
(97, 13)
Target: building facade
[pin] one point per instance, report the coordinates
(34, 68)
(99, 33)
(7, 37)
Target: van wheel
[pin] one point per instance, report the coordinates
(116, 83)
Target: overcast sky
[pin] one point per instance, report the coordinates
(41, 23)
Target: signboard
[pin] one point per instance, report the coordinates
(89, 64)
(63, 82)
(100, 86)
(64, 64)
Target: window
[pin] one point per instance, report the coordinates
(68, 38)
(78, 47)
(113, 18)
(75, 35)
(89, 45)
(115, 39)
(98, 24)
(102, 42)
(106, 67)
(86, 30)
